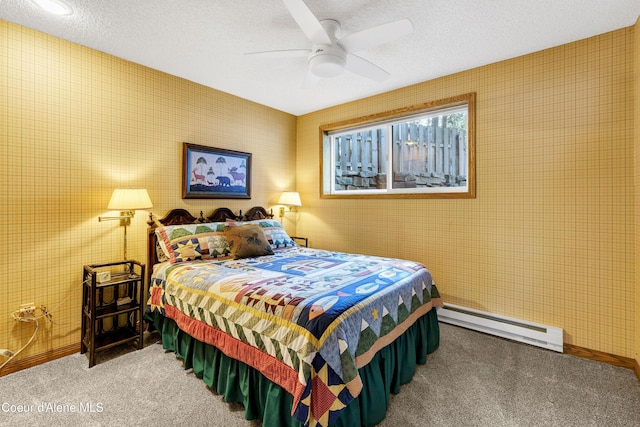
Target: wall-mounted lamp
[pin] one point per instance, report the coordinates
(127, 201)
(291, 199)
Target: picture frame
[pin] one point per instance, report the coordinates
(215, 173)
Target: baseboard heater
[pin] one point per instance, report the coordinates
(544, 336)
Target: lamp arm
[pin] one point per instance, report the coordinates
(124, 215)
(109, 218)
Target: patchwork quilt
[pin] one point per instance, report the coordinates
(306, 318)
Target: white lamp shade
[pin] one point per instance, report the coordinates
(290, 198)
(129, 199)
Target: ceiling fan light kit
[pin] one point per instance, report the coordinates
(327, 61)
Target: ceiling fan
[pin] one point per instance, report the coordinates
(330, 55)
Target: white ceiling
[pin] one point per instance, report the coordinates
(205, 40)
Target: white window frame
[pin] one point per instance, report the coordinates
(386, 121)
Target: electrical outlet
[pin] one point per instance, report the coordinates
(26, 312)
(28, 309)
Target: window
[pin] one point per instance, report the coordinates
(421, 151)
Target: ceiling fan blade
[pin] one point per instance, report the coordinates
(375, 36)
(310, 80)
(307, 21)
(287, 53)
(364, 68)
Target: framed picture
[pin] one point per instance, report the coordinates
(215, 173)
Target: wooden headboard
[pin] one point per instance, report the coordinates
(182, 216)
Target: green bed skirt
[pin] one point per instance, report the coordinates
(391, 367)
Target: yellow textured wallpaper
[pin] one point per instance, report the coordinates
(75, 124)
(636, 123)
(550, 236)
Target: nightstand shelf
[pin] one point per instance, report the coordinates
(107, 340)
(301, 239)
(111, 309)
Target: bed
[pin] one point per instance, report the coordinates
(299, 336)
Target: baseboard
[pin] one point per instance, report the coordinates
(39, 359)
(601, 356)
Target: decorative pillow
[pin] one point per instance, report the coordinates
(191, 241)
(247, 241)
(275, 233)
(219, 247)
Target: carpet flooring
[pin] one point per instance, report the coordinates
(471, 380)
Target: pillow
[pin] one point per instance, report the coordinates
(247, 241)
(192, 241)
(161, 255)
(219, 247)
(275, 233)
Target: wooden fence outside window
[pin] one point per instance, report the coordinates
(423, 156)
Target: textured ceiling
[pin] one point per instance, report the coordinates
(205, 40)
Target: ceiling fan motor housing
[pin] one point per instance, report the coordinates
(327, 60)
